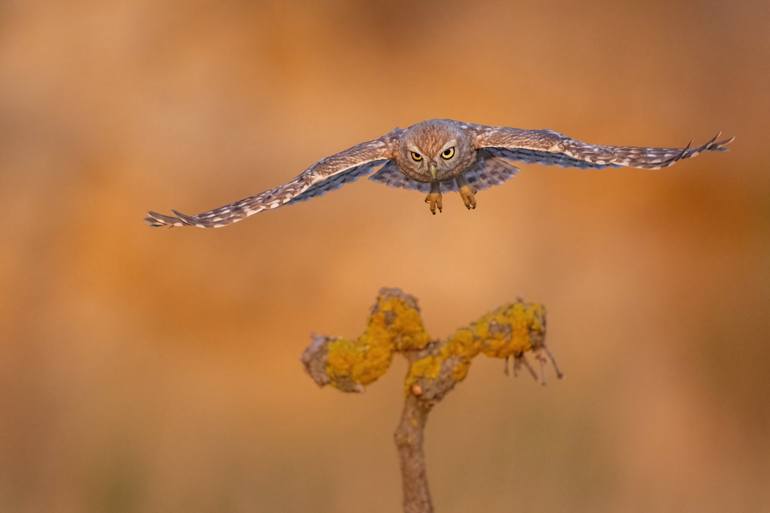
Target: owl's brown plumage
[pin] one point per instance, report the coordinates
(440, 155)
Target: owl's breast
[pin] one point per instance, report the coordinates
(414, 174)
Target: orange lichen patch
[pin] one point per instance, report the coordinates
(398, 320)
(456, 355)
(428, 367)
(512, 329)
(465, 343)
(358, 362)
(395, 324)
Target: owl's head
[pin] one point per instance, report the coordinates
(433, 150)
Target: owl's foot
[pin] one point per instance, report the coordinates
(433, 199)
(467, 191)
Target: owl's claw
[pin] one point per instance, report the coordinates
(467, 191)
(433, 199)
(468, 194)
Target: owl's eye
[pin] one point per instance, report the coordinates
(448, 153)
(415, 156)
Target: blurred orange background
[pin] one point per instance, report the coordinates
(157, 371)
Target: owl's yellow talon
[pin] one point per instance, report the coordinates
(433, 199)
(469, 197)
(467, 191)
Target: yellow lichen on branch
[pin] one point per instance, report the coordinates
(395, 325)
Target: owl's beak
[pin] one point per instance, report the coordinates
(433, 169)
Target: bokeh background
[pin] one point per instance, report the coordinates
(157, 371)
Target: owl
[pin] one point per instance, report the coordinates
(437, 156)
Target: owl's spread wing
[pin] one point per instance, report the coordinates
(325, 175)
(550, 147)
(488, 170)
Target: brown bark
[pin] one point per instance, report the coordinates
(409, 441)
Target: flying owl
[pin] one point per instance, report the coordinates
(436, 156)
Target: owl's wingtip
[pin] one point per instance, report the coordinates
(715, 145)
(726, 141)
(157, 220)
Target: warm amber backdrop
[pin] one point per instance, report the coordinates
(157, 371)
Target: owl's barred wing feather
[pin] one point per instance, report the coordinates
(553, 148)
(337, 181)
(325, 175)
